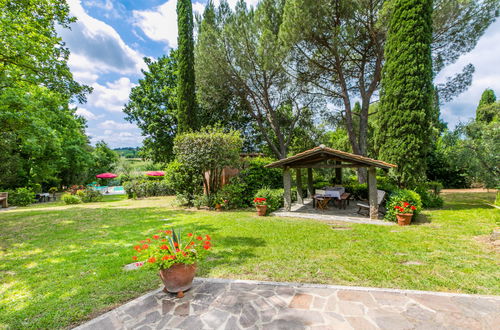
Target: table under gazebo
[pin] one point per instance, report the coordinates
(324, 157)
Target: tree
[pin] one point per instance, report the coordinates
(153, 107)
(241, 51)
(186, 100)
(487, 108)
(207, 153)
(30, 49)
(341, 45)
(478, 150)
(104, 158)
(407, 91)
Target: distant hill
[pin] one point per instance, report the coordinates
(128, 152)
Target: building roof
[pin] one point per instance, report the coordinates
(322, 154)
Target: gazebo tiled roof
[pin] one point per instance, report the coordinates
(323, 153)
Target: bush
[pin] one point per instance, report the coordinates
(321, 184)
(21, 197)
(146, 188)
(357, 190)
(429, 197)
(497, 199)
(89, 195)
(71, 199)
(182, 181)
(52, 190)
(274, 198)
(255, 176)
(404, 195)
(234, 194)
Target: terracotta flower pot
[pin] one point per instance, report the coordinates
(261, 210)
(404, 219)
(178, 278)
(218, 207)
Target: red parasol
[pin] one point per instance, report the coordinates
(155, 173)
(106, 176)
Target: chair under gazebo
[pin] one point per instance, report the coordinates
(324, 157)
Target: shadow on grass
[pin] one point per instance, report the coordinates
(421, 219)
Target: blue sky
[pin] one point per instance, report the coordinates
(111, 37)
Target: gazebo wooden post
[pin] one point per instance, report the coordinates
(310, 186)
(338, 173)
(299, 186)
(372, 192)
(287, 184)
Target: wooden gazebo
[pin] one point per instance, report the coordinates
(324, 157)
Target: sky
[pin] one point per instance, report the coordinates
(111, 37)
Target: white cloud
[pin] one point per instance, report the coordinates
(96, 47)
(87, 114)
(160, 23)
(118, 139)
(113, 125)
(112, 96)
(487, 75)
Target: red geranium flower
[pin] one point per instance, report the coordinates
(152, 260)
(145, 246)
(134, 258)
(164, 247)
(168, 232)
(156, 236)
(413, 208)
(176, 244)
(137, 248)
(199, 238)
(148, 240)
(206, 247)
(190, 234)
(208, 237)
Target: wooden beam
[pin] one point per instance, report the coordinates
(329, 166)
(287, 185)
(298, 179)
(372, 192)
(310, 185)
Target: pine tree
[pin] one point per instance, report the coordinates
(487, 109)
(406, 108)
(186, 98)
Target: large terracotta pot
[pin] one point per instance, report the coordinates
(218, 207)
(178, 278)
(404, 219)
(261, 210)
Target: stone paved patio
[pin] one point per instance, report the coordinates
(226, 304)
(349, 214)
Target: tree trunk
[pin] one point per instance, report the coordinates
(287, 185)
(372, 192)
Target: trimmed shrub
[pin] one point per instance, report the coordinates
(71, 199)
(146, 188)
(404, 195)
(21, 197)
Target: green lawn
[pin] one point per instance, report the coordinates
(61, 265)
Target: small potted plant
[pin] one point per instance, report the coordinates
(260, 205)
(175, 257)
(404, 212)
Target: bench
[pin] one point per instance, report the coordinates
(4, 199)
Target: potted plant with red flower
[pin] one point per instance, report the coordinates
(261, 205)
(404, 212)
(174, 256)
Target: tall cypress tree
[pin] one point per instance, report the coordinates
(406, 108)
(186, 98)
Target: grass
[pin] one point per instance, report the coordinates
(62, 265)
